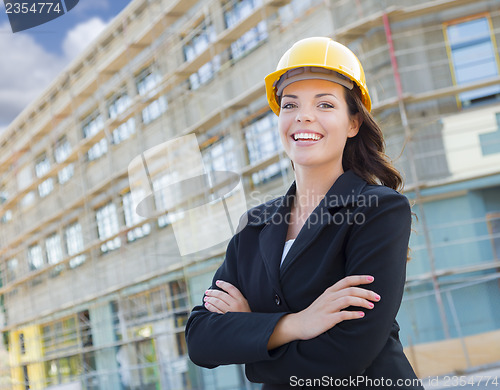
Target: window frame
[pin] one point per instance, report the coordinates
(99, 148)
(202, 36)
(446, 25)
(133, 219)
(494, 240)
(74, 243)
(30, 258)
(108, 226)
(251, 39)
(42, 167)
(118, 103)
(62, 150)
(53, 249)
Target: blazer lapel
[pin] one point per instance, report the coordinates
(342, 193)
(273, 234)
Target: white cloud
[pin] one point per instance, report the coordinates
(26, 69)
(80, 36)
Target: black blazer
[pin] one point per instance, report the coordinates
(356, 229)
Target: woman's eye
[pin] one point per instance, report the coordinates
(326, 105)
(287, 106)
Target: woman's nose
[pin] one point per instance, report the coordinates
(304, 115)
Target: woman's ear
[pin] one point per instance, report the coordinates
(355, 123)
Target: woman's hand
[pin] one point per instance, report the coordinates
(230, 299)
(325, 312)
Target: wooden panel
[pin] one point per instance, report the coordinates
(444, 357)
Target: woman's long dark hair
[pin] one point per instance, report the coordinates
(365, 152)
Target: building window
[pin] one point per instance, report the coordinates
(22, 344)
(158, 300)
(59, 372)
(91, 125)
(35, 257)
(107, 226)
(136, 307)
(262, 138)
(493, 221)
(42, 167)
(12, 270)
(179, 302)
(473, 58)
(203, 35)
(132, 218)
(147, 80)
(124, 131)
(61, 152)
(61, 335)
(74, 244)
(26, 378)
(7, 216)
(154, 110)
(163, 201)
(54, 251)
(234, 12)
(24, 179)
(85, 329)
(221, 155)
(263, 141)
(28, 199)
(118, 104)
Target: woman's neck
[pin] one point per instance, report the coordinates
(312, 184)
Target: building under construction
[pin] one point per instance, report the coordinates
(95, 294)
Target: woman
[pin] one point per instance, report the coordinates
(311, 284)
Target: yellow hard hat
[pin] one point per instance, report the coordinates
(321, 58)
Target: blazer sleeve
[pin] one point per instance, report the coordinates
(377, 247)
(232, 338)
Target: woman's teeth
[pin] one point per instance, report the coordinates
(306, 136)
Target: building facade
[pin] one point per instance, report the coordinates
(95, 295)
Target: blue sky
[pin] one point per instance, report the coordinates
(31, 59)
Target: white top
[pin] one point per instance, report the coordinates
(287, 247)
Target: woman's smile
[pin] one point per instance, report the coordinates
(306, 137)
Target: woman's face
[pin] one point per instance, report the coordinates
(314, 123)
